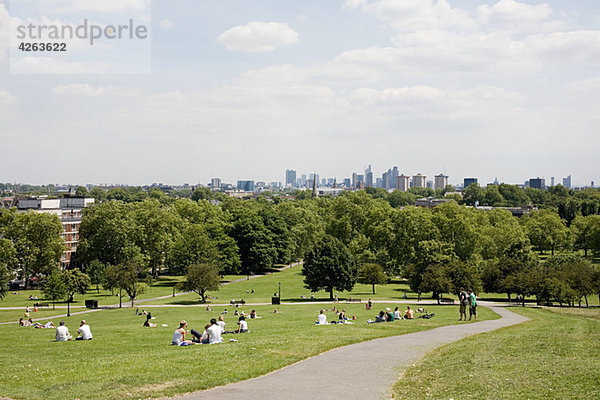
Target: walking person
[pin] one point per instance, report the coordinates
(463, 299)
(473, 305)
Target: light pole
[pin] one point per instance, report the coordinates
(280, 292)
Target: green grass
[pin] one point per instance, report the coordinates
(126, 360)
(292, 288)
(553, 356)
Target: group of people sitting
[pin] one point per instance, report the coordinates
(84, 331)
(341, 317)
(212, 332)
(390, 316)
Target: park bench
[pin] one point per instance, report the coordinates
(351, 300)
(449, 301)
(40, 305)
(234, 302)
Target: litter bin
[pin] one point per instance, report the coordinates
(275, 300)
(91, 303)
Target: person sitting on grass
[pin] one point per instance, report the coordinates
(243, 325)
(200, 338)
(62, 333)
(321, 318)
(342, 315)
(179, 335)
(397, 313)
(253, 314)
(84, 331)
(389, 315)
(409, 314)
(214, 332)
(221, 323)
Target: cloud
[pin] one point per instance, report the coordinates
(105, 6)
(512, 14)
(411, 15)
(591, 85)
(6, 97)
(48, 65)
(166, 24)
(4, 32)
(258, 37)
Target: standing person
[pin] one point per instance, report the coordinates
(463, 299)
(336, 298)
(62, 333)
(84, 331)
(369, 304)
(473, 305)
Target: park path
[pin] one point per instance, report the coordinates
(139, 301)
(360, 371)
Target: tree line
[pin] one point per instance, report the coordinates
(355, 236)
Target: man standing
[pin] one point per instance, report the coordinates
(62, 333)
(84, 331)
(473, 305)
(463, 299)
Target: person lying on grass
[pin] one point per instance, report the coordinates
(378, 318)
(253, 314)
(179, 335)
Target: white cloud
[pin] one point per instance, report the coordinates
(166, 24)
(411, 15)
(4, 32)
(587, 85)
(258, 37)
(105, 6)
(6, 97)
(48, 65)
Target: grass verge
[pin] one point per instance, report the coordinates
(553, 356)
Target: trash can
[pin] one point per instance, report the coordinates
(275, 300)
(91, 303)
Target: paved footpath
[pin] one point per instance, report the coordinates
(360, 371)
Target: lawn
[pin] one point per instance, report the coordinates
(126, 360)
(553, 356)
(292, 288)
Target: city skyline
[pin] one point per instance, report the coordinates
(495, 88)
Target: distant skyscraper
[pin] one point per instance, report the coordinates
(403, 183)
(441, 181)
(419, 181)
(215, 183)
(394, 178)
(354, 180)
(290, 178)
(379, 182)
(537, 183)
(302, 180)
(347, 182)
(552, 182)
(567, 182)
(248, 186)
(368, 177)
(468, 182)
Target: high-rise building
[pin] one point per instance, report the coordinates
(468, 182)
(215, 183)
(403, 183)
(347, 182)
(394, 178)
(368, 177)
(552, 182)
(567, 182)
(290, 178)
(419, 181)
(441, 181)
(537, 183)
(247, 186)
(354, 180)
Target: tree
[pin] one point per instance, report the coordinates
(37, 241)
(328, 265)
(75, 282)
(54, 287)
(7, 262)
(546, 230)
(82, 191)
(201, 278)
(372, 274)
(96, 271)
(126, 277)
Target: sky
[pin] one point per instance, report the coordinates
(245, 89)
